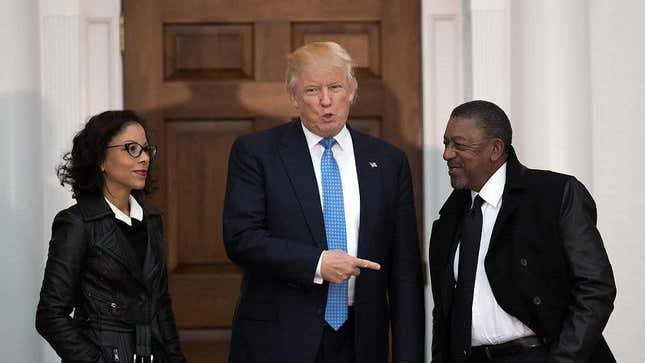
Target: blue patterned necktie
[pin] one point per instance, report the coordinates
(334, 216)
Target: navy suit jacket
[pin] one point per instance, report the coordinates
(274, 230)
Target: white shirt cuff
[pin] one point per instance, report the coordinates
(318, 279)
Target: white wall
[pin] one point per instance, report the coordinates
(617, 54)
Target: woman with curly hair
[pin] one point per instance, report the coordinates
(106, 260)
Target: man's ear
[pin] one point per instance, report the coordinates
(292, 99)
(498, 150)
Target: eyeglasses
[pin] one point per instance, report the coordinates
(135, 149)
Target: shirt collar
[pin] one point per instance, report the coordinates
(136, 211)
(343, 138)
(493, 190)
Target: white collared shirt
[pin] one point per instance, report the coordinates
(343, 151)
(136, 211)
(491, 324)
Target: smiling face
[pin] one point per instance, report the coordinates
(323, 98)
(472, 157)
(121, 171)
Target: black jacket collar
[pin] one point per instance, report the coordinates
(515, 180)
(94, 206)
(515, 172)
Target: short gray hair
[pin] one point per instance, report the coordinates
(319, 55)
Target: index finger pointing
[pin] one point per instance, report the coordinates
(367, 264)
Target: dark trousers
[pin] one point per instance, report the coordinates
(535, 355)
(338, 346)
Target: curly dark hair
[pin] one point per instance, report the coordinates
(81, 169)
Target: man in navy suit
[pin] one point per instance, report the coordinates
(322, 222)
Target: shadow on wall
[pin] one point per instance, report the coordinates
(20, 222)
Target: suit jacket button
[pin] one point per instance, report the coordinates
(537, 300)
(320, 311)
(523, 262)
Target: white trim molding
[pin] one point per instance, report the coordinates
(443, 70)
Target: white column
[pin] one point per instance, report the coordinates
(20, 192)
(60, 62)
(443, 88)
(61, 116)
(550, 97)
(618, 109)
(488, 44)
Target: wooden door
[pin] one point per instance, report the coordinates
(205, 72)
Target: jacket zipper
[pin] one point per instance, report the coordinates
(104, 299)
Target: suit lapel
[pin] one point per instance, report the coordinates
(368, 170)
(297, 162)
(444, 245)
(451, 215)
(116, 245)
(152, 260)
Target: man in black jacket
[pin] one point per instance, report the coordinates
(518, 269)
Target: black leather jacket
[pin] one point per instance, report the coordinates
(92, 270)
(546, 264)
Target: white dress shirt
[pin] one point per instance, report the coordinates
(136, 211)
(343, 151)
(491, 324)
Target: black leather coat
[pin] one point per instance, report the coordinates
(92, 269)
(546, 264)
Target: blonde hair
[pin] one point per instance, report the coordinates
(319, 56)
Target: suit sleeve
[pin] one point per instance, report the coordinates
(593, 287)
(60, 284)
(247, 239)
(406, 283)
